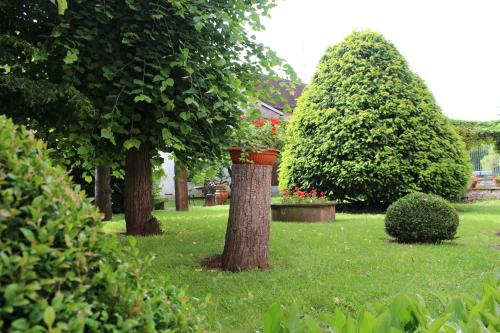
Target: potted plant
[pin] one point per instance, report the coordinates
(257, 140)
(497, 181)
(302, 206)
(474, 182)
(221, 194)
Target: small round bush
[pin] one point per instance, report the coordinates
(420, 217)
(58, 271)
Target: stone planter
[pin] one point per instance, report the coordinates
(320, 212)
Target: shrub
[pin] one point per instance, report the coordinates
(367, 129)
(58, 271)
(419, 217)
(404, 314)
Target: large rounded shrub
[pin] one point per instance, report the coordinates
(368, 129)
(420, 217)
(58, 271)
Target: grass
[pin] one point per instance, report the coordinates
(349, 263)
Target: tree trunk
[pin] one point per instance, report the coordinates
(181, 189)
(102, 191)
(138, 196)
(247, 234)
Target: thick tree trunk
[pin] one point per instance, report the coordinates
(138, 196)
(181, 189)
(247, 235)
(102, 191)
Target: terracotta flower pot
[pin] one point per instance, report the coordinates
(265, 157)
(221, 194)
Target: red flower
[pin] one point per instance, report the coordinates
(274, 121)
(258, 122)
(273, 128)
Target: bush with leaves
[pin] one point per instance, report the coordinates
(58, 271)
(419, 217)
(368, 129)
(404, 314)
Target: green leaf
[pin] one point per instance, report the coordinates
(49, 316)
(106, 133)
(62, 5)
(198, 26)
(189, 100)
(132, 143)
(272, 319)
(71, 57)
(142, 98)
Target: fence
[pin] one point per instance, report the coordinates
(485, 161)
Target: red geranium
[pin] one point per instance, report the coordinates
(299, 196)
(258, 122)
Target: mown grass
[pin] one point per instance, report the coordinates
(350, 263)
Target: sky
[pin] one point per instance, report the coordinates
(454, 45)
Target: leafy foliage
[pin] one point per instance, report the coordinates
(56, 111)
(171, 73)
(477, 133)
(368, 129)
(58, 271)
(421, 217)
(404, 314)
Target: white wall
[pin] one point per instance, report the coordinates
(167, 184)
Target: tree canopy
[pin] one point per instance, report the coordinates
(368, 129)
(161, 75)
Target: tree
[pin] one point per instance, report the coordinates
(162, 75)
(367, 129)
(60, 114)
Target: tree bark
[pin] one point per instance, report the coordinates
(247, 234)
(181, 189)
(138, 196)
(102, 191)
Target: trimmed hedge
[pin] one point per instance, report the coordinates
(368, 129)
(58, 271)
(420, 217)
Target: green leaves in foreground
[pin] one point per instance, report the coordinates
(59, 272)
(404, 314)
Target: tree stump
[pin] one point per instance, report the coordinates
(181, 189)
(247, 234)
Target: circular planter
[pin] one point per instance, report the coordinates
(262, 157)
(320, 212)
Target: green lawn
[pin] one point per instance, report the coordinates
(349, 263)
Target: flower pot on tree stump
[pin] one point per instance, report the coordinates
(247, 235)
